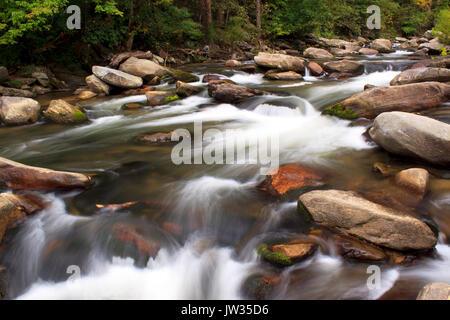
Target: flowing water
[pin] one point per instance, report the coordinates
(207, 220)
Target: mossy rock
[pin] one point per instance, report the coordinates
(275, 258)
(171, 98)
(184, 76)
(339, 111)
(301, 209)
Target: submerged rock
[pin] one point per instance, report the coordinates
(408, 97)
(117, 78)
(316, 53)
(414, 179)
(421, 75)
(435, 291)
(229, 93)
(355, 249)
(290, 177)
(15, 175)
(412, 135)
(59, 111)
(19, 111)
(282, 62)
(351, 214)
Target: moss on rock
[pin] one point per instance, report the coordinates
(339, 111)
(276, 258)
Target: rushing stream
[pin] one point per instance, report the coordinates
(219, 216)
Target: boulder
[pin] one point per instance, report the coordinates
(42, 78)
(280, 61)
(400, 39)
(344, 66)
(117, 78)
(337, 43)
(440, 62)
(284, 255)
(286, 76)
(233, 63)
(10, 212)
(157, 98)
(60, 111)
(143, 68)
(86, 94)
(428, 35)
(226, 92)
(414, 179)
(349, 213)
(210, 77)
(117, 59)
(3, 74)
(19, 111)
(435, 291)
(337, 52)
(185, 90)
(39, 90)
(412, 135)
(368, 52)
(97, 85)
(15, 175)
(433, 47)
(316, 53)
(409, 98)
(20, 83)
(421, 75)
(356, 249)
(13, 92)
(290, 177)
(180, 75)
(382, 45)
(315, 68)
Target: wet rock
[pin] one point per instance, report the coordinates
(381, 45)
(42, 78)
(180, 75)
(157, 98)
(368, 86)
(400, 39)
(337, 52)
(38, 90)
(15, 175)
(285, 76)
(233, 63)
(20, 83)
(414, 179)
(284, 255)
(86, 94)
(185, 90)
(421, 75)
(249, 69)
(3, 283)
(143, 68)
(420, 53)
(440, 62)
(132, 106)
(260, 287)
(316, 53)
(229, 93)
(280, 61)
(13, 92)
(384, 169)
(210, 77)
(139, 91)
(156, 137)
(315, 68)
(337, 43)
(435, 291)
(368, 52)
(59, 111)
(19, 111)
(133, 236)
(117, 78)
(117, 59)
(344, 66)
(10, 212)
(412, 135)
(351, 214)
(353, 248)
(290, 177)
(409, 98)
(433, 47)
(97, 85)
(3, 74)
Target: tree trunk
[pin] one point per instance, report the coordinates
(208, 19)
(258, 15)
(130, 39)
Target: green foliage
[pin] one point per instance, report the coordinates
(442, 29)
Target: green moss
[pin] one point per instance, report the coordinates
(171, 98)
(79, 116)
(276, 258)
(303, 211)
(339, 111)
(184, 76)
(14, 84)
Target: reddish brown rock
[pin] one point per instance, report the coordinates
(353, 248)
(133, 235)
(315, 68)
(414, 179)
(290, 177)
(15, 175)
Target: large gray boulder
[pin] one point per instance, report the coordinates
(382, 45)
(143, 68)
(282, 62)
(408, 97)
(344, 66)
(97, 85)
(412, 135)
(351, 214)
(19, 111)
(421, 75)
(117, 78)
